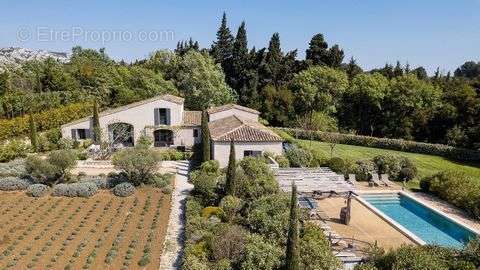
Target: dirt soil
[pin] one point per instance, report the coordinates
(101, 232)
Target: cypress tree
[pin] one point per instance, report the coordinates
(33, 133)
(335, 56)
(96, 124)
(230, 181)
(205, 138)
(240, 63)
(273, 62)
(398, 70)
(292, 257)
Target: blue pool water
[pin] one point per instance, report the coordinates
(420, 220)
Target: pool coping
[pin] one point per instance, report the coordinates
(417, 240)
(404, 230)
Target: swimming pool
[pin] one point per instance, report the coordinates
(422, 221)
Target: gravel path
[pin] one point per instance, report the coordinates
(173, 245)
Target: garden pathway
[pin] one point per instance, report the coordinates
(174, 240)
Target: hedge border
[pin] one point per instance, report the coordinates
(460, 154)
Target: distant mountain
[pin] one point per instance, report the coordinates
(13, 56)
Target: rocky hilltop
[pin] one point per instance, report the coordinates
(13, 56)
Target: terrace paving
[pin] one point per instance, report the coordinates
(364, 225)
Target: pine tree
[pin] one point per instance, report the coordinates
(353, 69)
(273, 62)
(230, 181)
(317, 53)
(292, 256)
(96, 125)
(398, 71)
(205, 138)
(222, 48)
(335, 56)
(33, 133)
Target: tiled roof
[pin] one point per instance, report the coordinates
(192, 118)
(231, 106)
(241, 130)
(166, 97)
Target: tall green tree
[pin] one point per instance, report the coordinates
(317, 53)
(206, 155)
(352, 69)
(240, 64)
(335, 56)
(398, 70)
(231, 169)
(201, 81)
(222, 48)
(33, 133)
(292, 254)
(96, 124)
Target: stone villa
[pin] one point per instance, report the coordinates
(165, 120)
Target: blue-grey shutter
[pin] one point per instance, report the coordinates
(88, 133)
(74, 134)
(156, 113)
(168, 116)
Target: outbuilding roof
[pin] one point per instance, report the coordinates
(230, 106)
(192, 118)
(241, 130)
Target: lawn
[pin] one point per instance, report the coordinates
(101, 232)
(426, 164)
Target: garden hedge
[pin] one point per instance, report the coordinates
(447, 151)
(45, 120)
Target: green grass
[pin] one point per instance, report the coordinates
(426, 164)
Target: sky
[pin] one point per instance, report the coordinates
(429, 33)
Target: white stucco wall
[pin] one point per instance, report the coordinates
(227, 113)
(185, 136)
(139, 117)
(221, 150)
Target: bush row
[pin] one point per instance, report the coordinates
(384, 143)
(456, 188)
(14, 183)
(45, 120)
(13, 168)
(398, 168)
(13, 149)
(82, 189)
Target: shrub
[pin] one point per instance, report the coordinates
(82, 189)
(162, 180)
(144, 141)
(456, 188)
(315, 252)
(364, 168)
(299, 157)
(123, 190)
(55, 169)
(269, 216)
(101, 183)
(254, 179)
(13, 149)
(231, 206)
(282, 161)
(37, 190)
(337, 165)
(229, 243)
(398, 167)
(14, 183)
(138, 164)
(210, 211)
(13, 168)
(385, 143)
(261, 254)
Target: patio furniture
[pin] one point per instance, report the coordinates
(385, 180)
(352, 179)
(375, 180)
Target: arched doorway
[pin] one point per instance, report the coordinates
(121, 133)
(163, 137)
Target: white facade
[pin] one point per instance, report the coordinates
(141, 116)
(221, 150)
(163, 118)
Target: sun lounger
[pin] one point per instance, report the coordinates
(375, 180)
(384, 179)
(352, 179)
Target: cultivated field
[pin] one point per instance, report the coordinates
(101, 232)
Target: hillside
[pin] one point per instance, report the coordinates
(14, 56)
